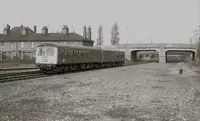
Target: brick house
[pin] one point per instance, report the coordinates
(19, 43)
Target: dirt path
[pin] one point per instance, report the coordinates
(147, 92)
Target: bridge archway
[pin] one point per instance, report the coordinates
(179, 55)
(134, 54)
(147, 57)
(153, 56)
(140, 57)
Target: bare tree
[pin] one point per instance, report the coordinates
(198, 49)
(115, 35)
(100, 36)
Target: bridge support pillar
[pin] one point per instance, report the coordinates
(162, 59)
(162, 55)
(127, 55)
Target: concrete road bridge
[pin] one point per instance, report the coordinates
(162, 48)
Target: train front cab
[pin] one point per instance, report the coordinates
(46, 57)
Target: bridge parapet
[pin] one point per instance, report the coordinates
(158, 45)
(181, 46)
(139, 45)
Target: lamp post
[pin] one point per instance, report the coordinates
(151, 40)
(127, 34)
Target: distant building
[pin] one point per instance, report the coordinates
(19, 43)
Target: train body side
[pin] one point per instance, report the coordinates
(71, 57)
(113, 56)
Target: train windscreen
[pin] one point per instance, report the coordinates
(41, 52)
(50, 52)
(46, 52)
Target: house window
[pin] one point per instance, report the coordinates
(11, 44)
(34, 54)
(2, 44)
(22, 44)
(32, 44)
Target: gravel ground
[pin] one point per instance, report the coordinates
(146, 92)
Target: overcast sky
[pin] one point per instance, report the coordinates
(167, 21)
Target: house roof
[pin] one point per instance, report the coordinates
(16, 32)
(15, 35)
(79, 47)
(69, 46)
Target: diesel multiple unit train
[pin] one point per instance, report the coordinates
(63, 58)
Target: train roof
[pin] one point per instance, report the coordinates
(69, 46)
(111, 49)
(78, 46)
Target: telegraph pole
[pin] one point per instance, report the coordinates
(134, 36)
(151, 40)
(127, 33)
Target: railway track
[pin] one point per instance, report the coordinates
(136, 63)
(20, 76)
(16, 76)
(14, 69)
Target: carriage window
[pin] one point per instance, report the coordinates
(86, 55)
(2, 44)
(50, 52)
(82, 55)
(34, 53)
(41, 52)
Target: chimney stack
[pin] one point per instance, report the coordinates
(84, 32)
(65, 30)
(7, 30)
(22, 27)
(35, 29)
(45, 30)
(8, 27)
(89, 33)
(24, 31)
